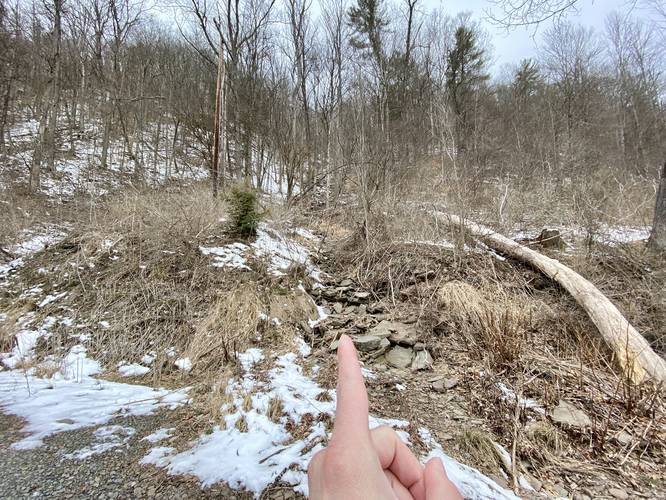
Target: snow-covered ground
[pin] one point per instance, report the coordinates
(81, 173)
(72, 398)
(280, 251)
(257, 444)
(604, 233)
(267, 408)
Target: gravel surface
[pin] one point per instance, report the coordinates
(45, 473)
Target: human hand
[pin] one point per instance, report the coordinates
(363, 464)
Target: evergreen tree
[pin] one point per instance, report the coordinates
(464, 72)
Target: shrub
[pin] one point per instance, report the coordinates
(243, 212)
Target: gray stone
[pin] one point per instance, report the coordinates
(444, 384)
(359, 297)
(346, 282)
(579, 495)
(398, 333)
(623, 438)
(334, 345)
(362, 309)
(349, 310)
(618, 493)
(337, 307)
(375, 309)
(399, 357)
(419, 346)
(422, 361)
(568, 415)
(367, 343)
(381, 329)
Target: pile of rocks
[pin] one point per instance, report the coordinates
(394, 343)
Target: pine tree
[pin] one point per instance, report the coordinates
(464, 72)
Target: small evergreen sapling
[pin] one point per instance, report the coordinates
(244, 215)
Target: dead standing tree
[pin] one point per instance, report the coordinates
(218, 121)
(658, 234)
(46, 140)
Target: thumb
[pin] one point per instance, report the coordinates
(437, 484)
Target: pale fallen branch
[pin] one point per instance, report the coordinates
(634, 354)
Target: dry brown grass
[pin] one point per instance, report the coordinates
(275, 410)
(479, 449)
(227, 328)
(490, 318)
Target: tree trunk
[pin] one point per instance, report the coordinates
(216, 125)
(658, 234)
(634, 355)
(55, 93)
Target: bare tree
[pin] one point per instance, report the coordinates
(658, 234)
(46, 141)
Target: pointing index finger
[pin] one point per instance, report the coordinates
(351, 412)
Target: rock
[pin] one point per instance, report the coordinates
(450, 383)
(362, 309)
(334, 345)
(382, 329)
(337, 307)
(551, 238)
(419, 346)
(384, 345)
(579, 495)
(404, 336)
(422, 361)
(567, 414)
(367, 343)
(618, 493)
(399, 357)
(623, 438)
(375, 309)
(360, 297)
(346, 282)
(349, 310)
(398, 333)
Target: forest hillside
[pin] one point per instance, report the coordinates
(199, 199)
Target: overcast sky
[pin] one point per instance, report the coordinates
(520, 43)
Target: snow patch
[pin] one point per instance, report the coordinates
(72, 399)
(251, 450)
(108, 437)
(159, 435)
(132, 369)
(228, 256)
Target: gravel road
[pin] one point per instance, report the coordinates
(45, 472)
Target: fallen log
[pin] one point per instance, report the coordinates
(634, 355)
